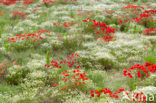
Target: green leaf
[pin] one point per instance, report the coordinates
(64, 34)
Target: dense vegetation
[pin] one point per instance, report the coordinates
(77, 51)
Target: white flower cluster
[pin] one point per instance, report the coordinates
(32, 16)
(126, 49)
(34, 64)
(46, 23)
(37, 75)
(146, 90)
(81, 98)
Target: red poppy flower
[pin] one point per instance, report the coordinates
(92, 95)
(55, 85)
(139, 74)
(98, 95)
(65, 80)
(3, 64)
(91, 91)
(147, 75)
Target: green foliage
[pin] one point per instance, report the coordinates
(99, 78)
(48, 58)
(131, 28)
(22, 45)
(15, 75)
(7, 91)
(148, 24)
(62, 2)
(124, 28)
(46, 4)
(65, 34)
(106, 63)
(3, 22)
(59, 29)
(131, 82)
(72, 44)
(35, 83)
(110, 20)
(151, 56)
(88, 27)
(1, 30)
(28, 100)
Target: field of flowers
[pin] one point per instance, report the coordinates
(77, 51)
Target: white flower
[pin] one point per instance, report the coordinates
(37, 75)
(146, 90)
(33, 64)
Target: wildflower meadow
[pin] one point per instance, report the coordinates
(77, 51)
